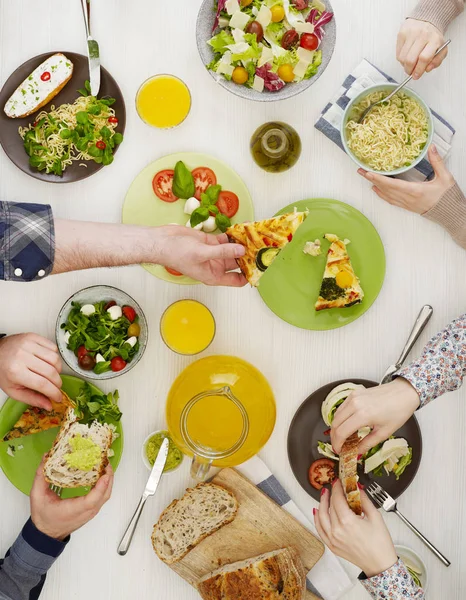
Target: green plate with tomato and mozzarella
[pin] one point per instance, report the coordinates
(150, 199)
(290, 287)
(20, 457)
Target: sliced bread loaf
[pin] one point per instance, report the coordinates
(277, 575)
(58, 472)
(186, 522)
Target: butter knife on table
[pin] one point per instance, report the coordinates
(151, 488)
(92, 50)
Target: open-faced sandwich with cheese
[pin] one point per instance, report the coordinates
(263, 240)
(340, 286)
(38, 89)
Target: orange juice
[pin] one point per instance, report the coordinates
(187, 327)
(163, 101)
(215, 421)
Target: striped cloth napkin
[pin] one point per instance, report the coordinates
(327, 579)
(363, 76)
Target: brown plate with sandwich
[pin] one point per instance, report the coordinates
(393, 466)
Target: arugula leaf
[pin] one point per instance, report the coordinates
(183, 181)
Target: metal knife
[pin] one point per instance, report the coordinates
(92, 50)
(151, 488)
(421, 321)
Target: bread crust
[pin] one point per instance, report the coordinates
(348, 472)
(172, 505)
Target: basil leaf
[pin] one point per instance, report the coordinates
(183, 181)
(199, 215)
(212, 193)
(223, 222)
(214, 210)
(117, 138)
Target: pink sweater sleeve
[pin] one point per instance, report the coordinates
(438, 12)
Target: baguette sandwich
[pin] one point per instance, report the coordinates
(348, 473)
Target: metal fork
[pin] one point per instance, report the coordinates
(57, 490)
(385, 501)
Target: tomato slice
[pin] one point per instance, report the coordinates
(162, 185)
(203, 178)
(228, 203)
(173, 272)
(321, 472)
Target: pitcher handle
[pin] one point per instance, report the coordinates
(200, 468)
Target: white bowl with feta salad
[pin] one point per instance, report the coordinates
(266, 50)
(101, 332)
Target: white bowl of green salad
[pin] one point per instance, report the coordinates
(415, 565)
(266, 50)
(101, 332)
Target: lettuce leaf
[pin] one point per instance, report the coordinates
(220, 41)
(403, 463)
(253, 52)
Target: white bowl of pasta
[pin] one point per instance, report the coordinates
(394, 137)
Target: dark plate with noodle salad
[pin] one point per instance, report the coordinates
(395, 135)
(71, 137)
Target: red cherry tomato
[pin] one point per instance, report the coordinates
(321, 472)
(173, 272)
(101, 145)
(113, 120)
(87, 362)
(110, 304)
(45, 76)
(228, 203)
(117, 363)
(309, 41)
(162, 185)
(290, 39)
(82, 351)
(129, 313)
(203, 178)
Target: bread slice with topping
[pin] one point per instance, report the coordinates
(186, 522)
(349, 472)
(276, 575)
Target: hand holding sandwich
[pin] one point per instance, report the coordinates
(59, 518)
(30, 369)
(384, 408)
(365, 541)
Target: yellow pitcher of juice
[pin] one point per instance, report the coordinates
(220, 410)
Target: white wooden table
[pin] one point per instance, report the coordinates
(138, 39)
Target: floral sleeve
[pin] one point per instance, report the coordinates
(442, 366)
(393, 584)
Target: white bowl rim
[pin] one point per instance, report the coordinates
(366, 92)
(145, 460)
(399, 550)
(108, 374)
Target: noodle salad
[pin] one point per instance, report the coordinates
(392, 135)
(82, 131)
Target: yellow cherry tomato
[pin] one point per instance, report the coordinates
(278, 13)
(240, 75)
(285, 72)
(344, 279)
(134, 329)
(246, 2)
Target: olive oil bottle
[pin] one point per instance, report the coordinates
(275, 147)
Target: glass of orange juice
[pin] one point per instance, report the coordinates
(187, 327)
(163, 101)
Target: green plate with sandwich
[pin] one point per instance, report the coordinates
(20, 457)
(290, 287)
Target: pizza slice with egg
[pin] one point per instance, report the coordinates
(263, 241)
(34, 419)
(340, 286)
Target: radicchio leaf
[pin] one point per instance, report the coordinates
(220, 7)
(319, 22)
(271, 80)
(300, 4)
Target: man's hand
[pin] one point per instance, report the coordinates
(413, 196)
(58, 518)
(364, 541)
(384, 408)
(30, 369)
(202, 256)
(416, 45)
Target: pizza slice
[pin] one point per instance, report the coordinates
(263, 240)
(34, 420)
(340, 286)
(348, 472)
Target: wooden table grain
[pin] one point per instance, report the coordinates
(139, 39)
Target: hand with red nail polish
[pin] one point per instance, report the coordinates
(418, 197)
(364, 541)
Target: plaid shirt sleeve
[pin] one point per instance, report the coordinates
(442, 366)
(393, 584)
(27, 241)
